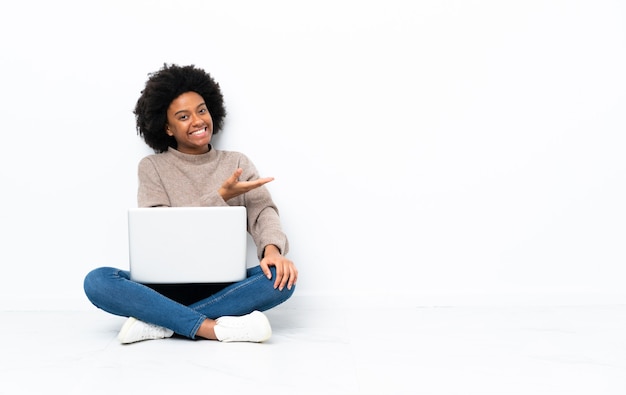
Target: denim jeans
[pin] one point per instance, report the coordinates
(113, 291)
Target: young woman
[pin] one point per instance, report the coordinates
(179, 110)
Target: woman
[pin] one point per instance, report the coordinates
(177, 113)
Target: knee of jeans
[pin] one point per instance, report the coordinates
(95, 281)
(272, 293)
(289, 291)
(284, 294)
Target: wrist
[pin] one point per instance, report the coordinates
(270, 249)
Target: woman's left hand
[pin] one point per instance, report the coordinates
(286, 272)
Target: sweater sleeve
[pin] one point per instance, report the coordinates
(263, 218)
(151, 192)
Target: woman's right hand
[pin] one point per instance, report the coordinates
(232, 187)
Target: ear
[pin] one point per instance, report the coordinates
(168, 131)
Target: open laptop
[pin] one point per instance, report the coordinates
(176, 245)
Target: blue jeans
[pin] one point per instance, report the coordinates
(112, 290)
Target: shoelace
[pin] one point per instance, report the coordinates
(150, 330)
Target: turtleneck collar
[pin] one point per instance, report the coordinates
(191, 158)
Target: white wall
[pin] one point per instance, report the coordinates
(448, 151)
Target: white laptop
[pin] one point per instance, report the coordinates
(173, 245)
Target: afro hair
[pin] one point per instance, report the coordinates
(161, 89)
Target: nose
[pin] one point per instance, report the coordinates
(195, 119)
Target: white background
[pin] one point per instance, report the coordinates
(424, 151)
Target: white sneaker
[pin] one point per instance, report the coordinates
(134, 330)
(253, 327)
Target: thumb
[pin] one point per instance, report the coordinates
(266, 270)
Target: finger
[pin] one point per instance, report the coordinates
(290, 275)
(233, 179)
(250, 185)
(279, 278)
(266, 270)
(283, 281)
(247, 186)
(264, 180)
(236, 174)
(293, 278)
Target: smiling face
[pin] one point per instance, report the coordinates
(189, 122)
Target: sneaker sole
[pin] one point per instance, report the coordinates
(268, 333)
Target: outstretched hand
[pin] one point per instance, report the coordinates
(232, 187)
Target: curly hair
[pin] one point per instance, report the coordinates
(161, 89)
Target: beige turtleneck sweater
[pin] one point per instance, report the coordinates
(175, 179)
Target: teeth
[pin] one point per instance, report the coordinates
(199, 131)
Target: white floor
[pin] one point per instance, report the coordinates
(454, 350)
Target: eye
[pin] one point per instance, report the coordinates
(183, 117)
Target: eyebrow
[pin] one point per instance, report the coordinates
(198, 106)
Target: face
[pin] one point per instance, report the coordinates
(189, 122)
